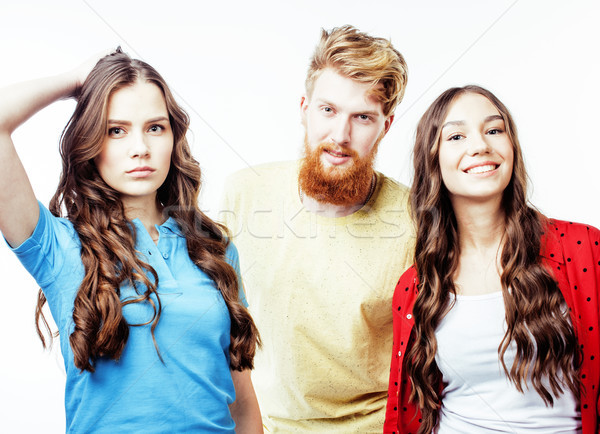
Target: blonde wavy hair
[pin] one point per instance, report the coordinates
(363, 58)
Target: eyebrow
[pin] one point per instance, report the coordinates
(362, 112)
(461, 123)
(128, 123)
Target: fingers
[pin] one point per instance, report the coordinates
(83, 70)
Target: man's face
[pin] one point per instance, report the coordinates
(341, 114)
(344, 125)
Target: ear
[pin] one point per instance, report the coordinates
(388, 123)
(303, 108)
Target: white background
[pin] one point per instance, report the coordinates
(239, 68)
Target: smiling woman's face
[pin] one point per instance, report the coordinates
(136, 153)
(476, 154)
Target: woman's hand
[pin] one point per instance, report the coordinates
(78, 75)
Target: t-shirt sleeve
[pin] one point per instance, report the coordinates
(41, 253)
(232, 257)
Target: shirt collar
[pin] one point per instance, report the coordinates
(170, 225)
(551, 248)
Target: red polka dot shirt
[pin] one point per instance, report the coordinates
(572, 252)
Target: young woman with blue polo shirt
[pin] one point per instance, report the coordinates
(144, 288)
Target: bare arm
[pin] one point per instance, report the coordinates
(244, 409)
(19, 211)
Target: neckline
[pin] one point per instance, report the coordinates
(170, 224)
(488, 296)
(359, 213)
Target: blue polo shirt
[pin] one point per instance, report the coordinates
(191, 390)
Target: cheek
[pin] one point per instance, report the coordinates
(377, 134)
(446, 176)
(510, 158)
(445, 159)
(316, 126)
(510, 162)
(166, 155)
(448, 165)
(103, 162)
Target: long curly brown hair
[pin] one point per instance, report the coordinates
(537, 323)
(108, 239)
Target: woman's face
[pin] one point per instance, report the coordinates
(136, 153)
(476, 154)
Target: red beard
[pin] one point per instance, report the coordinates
(336, 185)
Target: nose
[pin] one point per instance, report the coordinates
(340, 133)
(138, 146)
(479, 145)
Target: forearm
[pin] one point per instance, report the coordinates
(22, 100)
(244, 410)
(19, 208)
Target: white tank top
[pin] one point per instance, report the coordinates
(478, 396)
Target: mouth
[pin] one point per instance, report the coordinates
(141, 172)
(482, 169)
(336, 154)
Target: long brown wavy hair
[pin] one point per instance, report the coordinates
(108, 239)
(537, 323)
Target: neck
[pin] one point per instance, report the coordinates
(147, 211)
(330, 210)
(480, 225)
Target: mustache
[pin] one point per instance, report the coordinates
(343, 185)
(333, 147)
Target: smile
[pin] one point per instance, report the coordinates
(482, 169)
(336, 154)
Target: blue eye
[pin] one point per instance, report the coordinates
(455, 137)
(495, 131)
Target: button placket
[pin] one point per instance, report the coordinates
(163, 242)
(161, 252)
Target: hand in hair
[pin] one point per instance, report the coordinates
(80, 73)
(19, 211)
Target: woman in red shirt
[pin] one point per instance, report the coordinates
(496, 324)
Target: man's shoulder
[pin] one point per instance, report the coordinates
(261, 175)
(392, 191)
(259, 185)
(253, 175)
(392, 184)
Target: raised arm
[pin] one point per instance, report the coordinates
(19, 211)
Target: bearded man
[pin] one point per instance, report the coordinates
(322, 242)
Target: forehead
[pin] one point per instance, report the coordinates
(470, 107)
(138, 99)
(332, 87)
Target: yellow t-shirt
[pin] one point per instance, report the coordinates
(320, 291)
